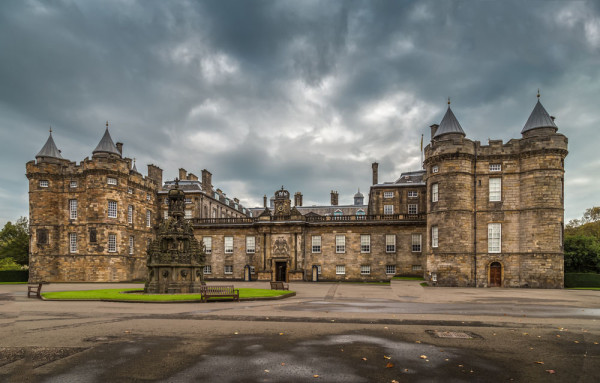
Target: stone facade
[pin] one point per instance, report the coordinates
(477, 215)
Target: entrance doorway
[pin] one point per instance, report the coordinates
(495, 274)
(280, 271)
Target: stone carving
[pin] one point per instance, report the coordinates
(280, 248)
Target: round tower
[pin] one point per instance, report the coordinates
(449, 160)
(542, 155)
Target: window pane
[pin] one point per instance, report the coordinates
(412, 209)
(207, 244)
(494, 237)
(340, 269)
(228, 245)
(390, 269)
(73, 242)
(73, 208)
(112, 209)
(112, 243)
(208, 269)
(416, 242)
(434, 236)
(495, 189)
(365, 269)
(388, 209)
(316, 244)
(130, 214)
(390, 243)
(388, 194)
(131, 244)
(434, 193)
(250, 245)
(365, 243)
(148, 218)
(340, 243)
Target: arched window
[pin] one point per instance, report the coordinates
(337, 212)
(360, 212)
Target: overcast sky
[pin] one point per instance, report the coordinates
(304, 94)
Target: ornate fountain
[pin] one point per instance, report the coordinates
(175, 258)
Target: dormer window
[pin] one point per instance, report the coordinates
(495, 167)
(44, 183)
(111, 181)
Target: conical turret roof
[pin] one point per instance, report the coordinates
(134, 168)
(106, 144)
(49, 149)
(449, 125)
(538, 118)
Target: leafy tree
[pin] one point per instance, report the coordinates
(14, 241)
(582, 254)
(9, 264)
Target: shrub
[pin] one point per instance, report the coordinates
(14, 275)
(582, 280)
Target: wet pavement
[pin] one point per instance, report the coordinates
(327, 332)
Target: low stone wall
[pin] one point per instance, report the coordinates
(87, 268)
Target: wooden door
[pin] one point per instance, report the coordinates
(495, 275)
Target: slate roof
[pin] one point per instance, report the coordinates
(538, 118)
(449, 125)
(106, 145)
(49, 149)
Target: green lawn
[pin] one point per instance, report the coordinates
(583, 288)
(408, 278)
(115, 294)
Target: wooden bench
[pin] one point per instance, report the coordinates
(35, 288)
(220, 292)
(278, 285)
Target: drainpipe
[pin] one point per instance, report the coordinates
(475, 217)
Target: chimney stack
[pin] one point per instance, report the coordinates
(265, 201)
(334, 198)
(192, 177)
(120, 147)
(207, 181)
(298, 199)
(375, 167)
(155, 173)
(434, 129)
(182, 174)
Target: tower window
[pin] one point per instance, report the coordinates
(112, 243)
(148, 218)
(73, 242)
(434, 236)
(112, 209)
(435, 169)
(494, 237)
(111, 181)
(130, 214)
(44, 183)
(73, 209)
(131, 244)
(42, 236)
(434, 192)
(495, 189)
(73, 184)
(495, 167)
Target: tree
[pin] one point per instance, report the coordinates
(14, 241)
(582, 254)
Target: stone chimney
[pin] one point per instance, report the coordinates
(206, 181)
(155, 173)
(182, 174)
(297, 199)
(434, 129)
(375, 167)
(334, 198)
(120, 147)
(192, 177)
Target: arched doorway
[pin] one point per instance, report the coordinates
(495, 275)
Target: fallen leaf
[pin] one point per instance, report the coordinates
(423, 357)
(539, 362)
(418, 341)
(363, 358)
(315, 376)
(280, 333)
(551, 371)
(389, 365)
(387, 357)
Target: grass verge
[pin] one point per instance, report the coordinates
(408, 278)
(583, 288)
(117, 295)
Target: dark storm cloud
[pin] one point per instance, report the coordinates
(301, 93)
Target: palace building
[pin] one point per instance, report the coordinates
(476, 215)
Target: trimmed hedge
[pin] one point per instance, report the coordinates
(14, 275)
(582, 280)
